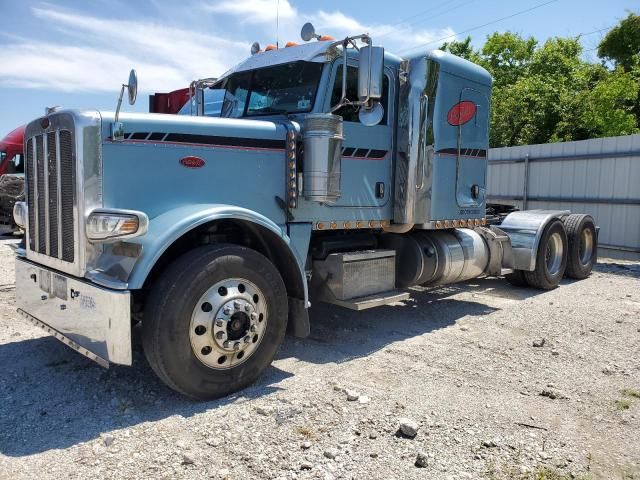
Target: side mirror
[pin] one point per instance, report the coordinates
(370, 73)
(132, 87)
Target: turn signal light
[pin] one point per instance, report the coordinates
(104, 225)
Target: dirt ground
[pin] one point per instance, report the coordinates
(456, 363)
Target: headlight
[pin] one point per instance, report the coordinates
(103, 225)
(20, 214)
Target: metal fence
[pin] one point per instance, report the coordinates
(600, 177)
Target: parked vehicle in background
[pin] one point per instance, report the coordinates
(316, 172)
(11, 175)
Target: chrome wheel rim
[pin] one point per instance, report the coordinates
(554, 253)
(228, 323)
(586, 246)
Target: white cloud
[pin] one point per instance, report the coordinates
(255, 11)
(166, 58)
(90, 53)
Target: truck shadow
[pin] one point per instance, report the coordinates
(54, 398)
(339, 334)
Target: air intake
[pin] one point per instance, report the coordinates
(322, 156)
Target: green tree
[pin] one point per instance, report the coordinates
(622, 43)
(462, 49)
(507, 56)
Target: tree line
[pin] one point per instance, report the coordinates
(548, 93)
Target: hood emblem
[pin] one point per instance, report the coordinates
(192, 162)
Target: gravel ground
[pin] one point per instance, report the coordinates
(495, 382)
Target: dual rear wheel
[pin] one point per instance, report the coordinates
(567, 248)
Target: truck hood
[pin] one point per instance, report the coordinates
(150, 127)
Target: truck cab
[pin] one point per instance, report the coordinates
(330, 171)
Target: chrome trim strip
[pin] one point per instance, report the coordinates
(35, 193)
(66, 340)
(45, 169)
(59, 193)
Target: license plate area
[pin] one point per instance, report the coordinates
(53, 284)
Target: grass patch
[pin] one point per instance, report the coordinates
(546, 473)
(623, 404)
(631, 392)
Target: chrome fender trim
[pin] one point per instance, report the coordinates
(524, 230)
(166, 228)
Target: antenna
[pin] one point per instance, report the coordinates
(277, 22)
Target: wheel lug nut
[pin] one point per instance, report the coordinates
(253, 329)
(219, 322)
(236, 346)
(247, 339)
(226, 344)
(227, 311)
(254, 316)
(236, 305)
(247, 308)
(220, 335)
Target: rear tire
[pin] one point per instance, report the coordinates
(581, 235)
(215, 320)
(551, 258)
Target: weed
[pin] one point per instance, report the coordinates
(623, 404)
(306, 432)
(631, 392)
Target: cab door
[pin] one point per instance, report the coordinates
(367, 151)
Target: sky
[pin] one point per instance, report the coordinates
(76, 54)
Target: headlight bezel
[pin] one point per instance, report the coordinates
(20, 214)
(121, 229)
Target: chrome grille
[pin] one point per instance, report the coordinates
(50, 194)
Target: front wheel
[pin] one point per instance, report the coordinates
(215, 320)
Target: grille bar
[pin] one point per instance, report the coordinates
(40, 197)
(51, 180)
(52, 195)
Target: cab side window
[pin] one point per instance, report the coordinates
(349, 112)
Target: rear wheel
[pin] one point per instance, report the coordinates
(581, 235)
(551, 258)
(215, 320)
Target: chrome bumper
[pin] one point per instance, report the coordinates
(92, 320)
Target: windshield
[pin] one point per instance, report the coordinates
(288, 88)
(3, 155)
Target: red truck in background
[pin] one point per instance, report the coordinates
(11, 174)
(170, 102)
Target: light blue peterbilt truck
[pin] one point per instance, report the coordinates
(330, 171)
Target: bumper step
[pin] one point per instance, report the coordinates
(370, 301)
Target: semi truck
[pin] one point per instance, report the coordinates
(328, 171)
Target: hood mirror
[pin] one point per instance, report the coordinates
(132, 86)
(117, 128)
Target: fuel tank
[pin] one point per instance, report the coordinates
(437, 257)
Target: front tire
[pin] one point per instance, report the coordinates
(215, 320)
(551, 258)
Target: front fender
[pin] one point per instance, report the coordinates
(166, 228)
